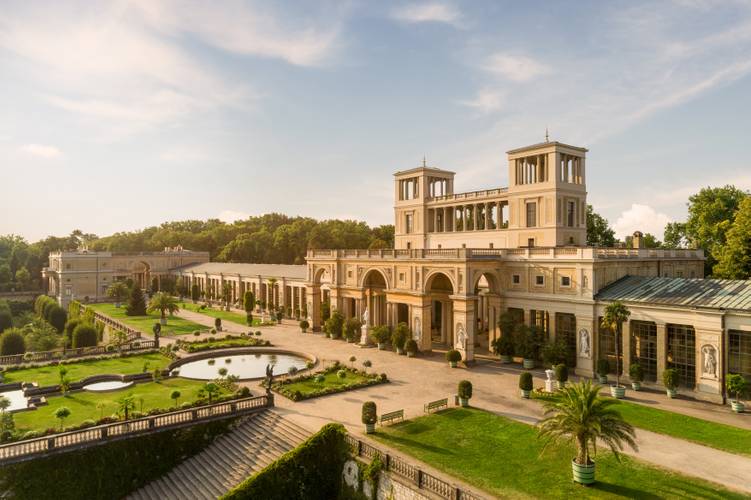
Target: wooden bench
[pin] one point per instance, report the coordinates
(436, 405)
(391, 416)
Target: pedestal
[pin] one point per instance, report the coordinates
(365, 336)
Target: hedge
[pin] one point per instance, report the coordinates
(12, 342)
(282, 388)
(84, 335)
(301, 473)
(111, 470)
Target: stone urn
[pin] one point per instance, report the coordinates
(671, 393)
(381, 346)
(464, 402)
(452, 364)
(618, 391)
(636, 386)
(738, 406)
(583, 474)
(603, 379)
(528, 364)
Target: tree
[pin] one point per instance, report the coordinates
(57, 318)
(734, 258)
(272, 298)
(12, 342)
(164, 303)
(675, 235)
(599, 233)
(136, 304)
(4, 403)
(85, 335)
(577, 413)
(61, 414)
(6, 320)
(126, 404)
(211, 390)
(648, 241)
(175, 395)
(23, 277)
(118, 291)
(195, 293)
(249, 301)
(615, 315)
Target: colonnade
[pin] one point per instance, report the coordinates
(485, 216)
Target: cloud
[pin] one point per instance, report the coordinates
(42, 151)
(486, 101)
(517, 68)
(427, 13)
(230, 216)
(641, 218)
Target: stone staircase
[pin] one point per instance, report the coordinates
(252, 445)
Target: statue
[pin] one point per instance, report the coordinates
(269, 378)
(365, 316)
(461, 337)
(549, 381)
(417, 333)
(709, 354)
(584, 344)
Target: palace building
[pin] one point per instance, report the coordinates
(462, 259)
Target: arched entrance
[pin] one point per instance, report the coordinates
(439, 289)
(487, 309)
(142, 274)
(374, 298)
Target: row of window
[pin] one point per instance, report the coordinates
(540, 280)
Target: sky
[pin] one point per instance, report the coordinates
(120, 115)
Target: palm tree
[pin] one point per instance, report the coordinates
(4, 404)
(615, 315)
(211, 390)
(164, 303)
(126, 404)
(118, 291)
(577, 413)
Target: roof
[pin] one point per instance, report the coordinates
(685, 292)
(546, 144)
(429, 170)
(250, 270)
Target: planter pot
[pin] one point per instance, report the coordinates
(524, 394)
(464, 402)
(452, 364)
(506, 359)
(738, 407)
(528, 364)
(636, 386)
(369, 428)
(618, 391)
(381, 346)
(583, 474)
(410, 354)
(602, 379)
(305, 330)
(671, 393)
(560, 385)
(400, 351)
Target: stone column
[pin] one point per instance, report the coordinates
(314, 307)
(551, 325)
(390, 314)
(662, 344)
(626, 348)
(421, 318)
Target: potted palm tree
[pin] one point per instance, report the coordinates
(525, 384)
(578, 414)
(603, 367)
(636, 374)
(399, 337)
(526, 346)
(464, 392)
(670, 381)
(615, 315)
(369, 416)
(453, 357)
(503, 346)
(561, 375)
(164, 303)
(737, 386)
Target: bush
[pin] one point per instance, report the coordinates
(334, 325)
(304, 325)
(136, 303)
(410, 346)
(352, 328)
(465, 389)
(70, 326)
(636, 373)
(292, 371)
(57, 318)
(453, 356)
(49, 305)
(84, 336)
(736, 385)
(12, 342)
(528, 340)
(369, 415)
(243, 392)
(555, 352)
(383, 377)
(381, 334)
(400, 336)
(503, 346)
(320, 378)
(561, 372)
(603, 367)
(6, 320)
(525, 381)
(670, 378)
(217, 324)
(342, 374)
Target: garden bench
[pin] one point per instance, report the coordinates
(436, 405)
(391, 416)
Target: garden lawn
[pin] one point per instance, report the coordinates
(234, 317)
(310, 386)
(83, 404)
(175, 324)
(713, 434)
(50, 374)
(505, 458)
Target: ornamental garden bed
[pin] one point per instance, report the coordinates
(218, 312)
(175, 324)
(221, 343)
(328, 381)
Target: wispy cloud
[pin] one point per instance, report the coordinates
(514, 67)
(427, 13)
(486, 100)
(41, 151)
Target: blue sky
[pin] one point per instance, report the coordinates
(119, 115)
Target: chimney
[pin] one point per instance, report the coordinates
(637, 241)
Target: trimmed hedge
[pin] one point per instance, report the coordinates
(12, 342)
(282, 388)
(111, 470)
(84, 335)
(301, 473)
(222, 343)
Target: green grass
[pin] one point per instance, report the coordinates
(235, 317)
(83, 404)
(712, 434)
(50, 375)
(175, 324)
(310, 386)
(505, 458)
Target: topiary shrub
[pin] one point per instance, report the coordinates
(525, 381)
(369, 415)
(70, 326)
(342, 374)
(6, 320)
(12, 342)
(636, 373)
(603, 367)
(400, 336)
(57, 318)
(320, 378)
(411, 347)
(464, 389)
(561, 372)
(84, 336)
(304, 325)
(453, 356)
(670, 379)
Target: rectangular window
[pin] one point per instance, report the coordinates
(739, 353)
(565, 328)
(607, 338)
(408, 223)
(644, 348)
(532, 214)
(570, 213)
(540, 319)
(682, 353)
(565, 281)
(516, 279)
(539, 280)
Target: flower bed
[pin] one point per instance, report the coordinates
(328, 381)
(221, 343)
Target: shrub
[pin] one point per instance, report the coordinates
(465, 389)
(12, 342)
(670, 378)
(196, 333)
(70, 326)
(57, 318)
(136, 303)
(503, 346)
(555, 352)
(243, 392)
(453, 356)
(249, 318)
(304, 325)
(351, 328)
(525, 381)
(217, 324)
(400, 336)
(292, 371)
(84, 336)
(381, 334)
(213, 330)
(334, 325)
(736, 385)
(383, 377)
(320, 378)
(258, 333)
(342, 374)
(6, 320)
(410, 346)
(603, 367)
(561, 372)
(48, 307)
(528, 340)
(369, 415)
(636, 372)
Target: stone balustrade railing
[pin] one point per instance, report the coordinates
(470, 195)
(411, 473)
(32, 448)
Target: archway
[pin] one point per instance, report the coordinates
(142, 274)
(374, 286)
(439, 289)
(487, 308)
